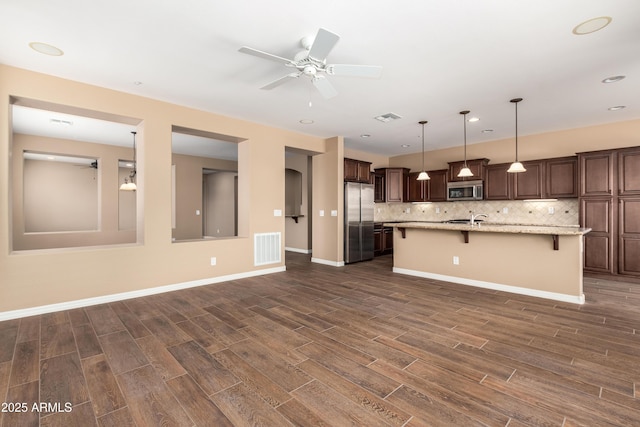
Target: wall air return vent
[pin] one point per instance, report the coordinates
(266, 248)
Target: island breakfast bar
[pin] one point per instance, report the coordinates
(539, 261)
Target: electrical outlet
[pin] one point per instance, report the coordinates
(505, 210)
(551, 210)
(456, 260)
(277, 212)
(437, 210)
(197, 211)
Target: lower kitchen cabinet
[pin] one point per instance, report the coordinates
(382, 239)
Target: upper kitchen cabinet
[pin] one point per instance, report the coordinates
(477, 167)
(529, 184)
(417, 191)
(597, 171)
(561, 177)
(393, 184)
(497, 183)
(629, 172)
(356, 170)
(437, 191)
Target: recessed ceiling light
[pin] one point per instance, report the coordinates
(487, 130)
(365, 135)
(306, 121)
(474, 119)
(405, 145)
(617, 107)
(591, 25)
(613, 79)
(46, 49)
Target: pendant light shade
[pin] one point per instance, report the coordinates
(516, 167)
(465, 172)
(423, 176)
(129, 183)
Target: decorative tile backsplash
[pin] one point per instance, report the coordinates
(561, 212)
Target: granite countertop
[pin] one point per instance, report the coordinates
(494, 228)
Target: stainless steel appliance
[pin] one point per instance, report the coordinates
(358, 222)
(465, 190)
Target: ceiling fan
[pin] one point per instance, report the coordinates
(312, 62)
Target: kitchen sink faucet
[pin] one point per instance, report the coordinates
(474, 217)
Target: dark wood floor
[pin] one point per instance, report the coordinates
(326, 346)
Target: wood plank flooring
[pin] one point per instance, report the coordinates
(325, 346)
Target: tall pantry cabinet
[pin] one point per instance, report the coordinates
(610, 206)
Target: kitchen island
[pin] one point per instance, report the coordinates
(540, 261)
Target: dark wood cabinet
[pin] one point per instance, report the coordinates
(417, 191)
(378, 187)
(561, 176)
(497, 183)
(477, 167)
(629, 172)
(383, 239)
(529, 184)
(395, 181)
(356, 170)
(437, 186)
(544, 179)
(610, 206)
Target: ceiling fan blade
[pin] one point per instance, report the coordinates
(280, 81)
(372, 71)
(323, 44)
(325, 88)
(265, 55)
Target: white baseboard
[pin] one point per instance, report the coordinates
(494, 286)
(68, 305)
(327, 262)
(300, 251)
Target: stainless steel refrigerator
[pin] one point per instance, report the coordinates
(358, 222)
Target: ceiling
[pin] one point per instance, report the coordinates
(438, 58)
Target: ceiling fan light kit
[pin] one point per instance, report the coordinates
(312, 62)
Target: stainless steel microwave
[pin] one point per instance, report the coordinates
(465, 190)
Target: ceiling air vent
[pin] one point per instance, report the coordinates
(389, 117)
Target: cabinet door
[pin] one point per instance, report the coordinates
(416, 189)
(437, 186)
(379, 189)
(378, 242)
(388, 240)
(350, 170)
(497, 185)
(395, 183)
(476, 166)
(529, 184)
(596, 213)
(364, 169)
(561, 177)
(596, 174)
(629, 172)
(629, 237)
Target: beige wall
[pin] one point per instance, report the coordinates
(107, 231)
(328, 195)
(530, 147)
(297, 236)
(36, 278)
(188, 197)
(518, 260)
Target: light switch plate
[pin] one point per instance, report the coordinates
(277, 212)
(334, 213)
(321, 212)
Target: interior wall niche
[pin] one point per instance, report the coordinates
(292, 192)
(65, 175)
(204, 185)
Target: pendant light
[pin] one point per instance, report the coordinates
(423, 176)
(129, 183)
(516, 167)
(465, 172)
